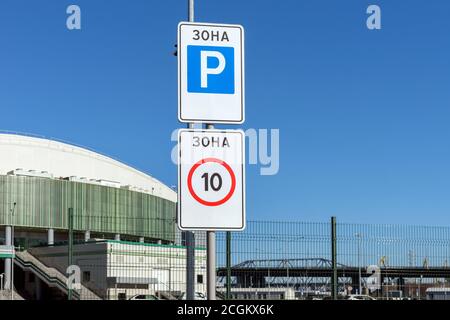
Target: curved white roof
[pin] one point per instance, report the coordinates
(36, 155)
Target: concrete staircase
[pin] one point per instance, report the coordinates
(6, 295)
(51, 276)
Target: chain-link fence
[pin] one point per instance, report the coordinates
(293, 260)
(269, 260)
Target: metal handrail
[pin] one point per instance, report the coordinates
(50, 279)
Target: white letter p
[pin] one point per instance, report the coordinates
(205, 71)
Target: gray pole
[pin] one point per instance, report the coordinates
(189, 235)
(211, 257)
(229, 265)
(50, 237)
(211, 265)
(359, 255)
(359, 262)
(334, 280)
(87, 235)
(12, 243)
(420, 283)
(191, 10)
(8, 234)
(190, 265)
(70, 247)
(12, 263)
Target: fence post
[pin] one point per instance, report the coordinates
(228, 295)
(190, 265)
(70, 248)
(334, 278)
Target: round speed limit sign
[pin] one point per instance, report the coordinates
(211, 180)
(213, 172)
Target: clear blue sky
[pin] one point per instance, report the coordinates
(363, 115)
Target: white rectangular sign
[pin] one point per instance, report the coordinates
(211, 180)
(210, 73)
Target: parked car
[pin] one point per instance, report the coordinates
(359, 297)
(144, 297)
(438, 293)
(198, 296)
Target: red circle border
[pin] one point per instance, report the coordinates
(211, 203)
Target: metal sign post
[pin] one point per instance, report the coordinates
(228, 263)
(211, 163)
(211, 265)
(211, 258)
(189, 235)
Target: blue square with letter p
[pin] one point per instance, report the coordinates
(210, 69)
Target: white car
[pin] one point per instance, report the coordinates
(360, 297)
(144, 297)
(198, 296)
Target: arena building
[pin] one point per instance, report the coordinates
(42, 180)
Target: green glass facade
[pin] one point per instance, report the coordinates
(43, 203)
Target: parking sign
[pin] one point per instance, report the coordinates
(210, 73)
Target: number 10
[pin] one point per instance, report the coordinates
(211, 181)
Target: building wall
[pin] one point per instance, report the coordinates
(118, 267)
(165, 263)
(43, 203)
(261, 293)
